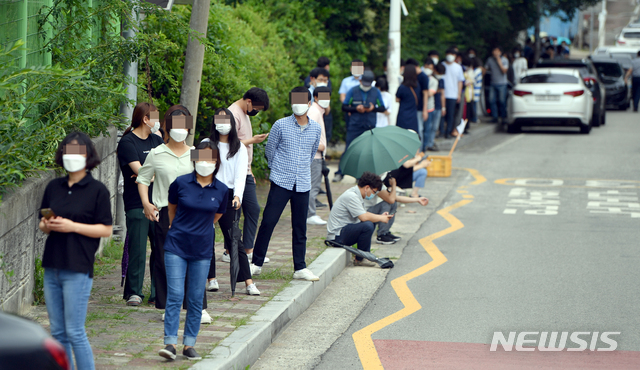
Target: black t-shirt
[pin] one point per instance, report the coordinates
(131, 149)
(87, 202)
(423, 80)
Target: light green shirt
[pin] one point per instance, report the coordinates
(166, 166)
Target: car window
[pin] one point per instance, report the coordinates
(549, 79)
(609, 69)
(623, 55)
(632, 35)
(582, 68)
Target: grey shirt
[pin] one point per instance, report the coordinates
(345, 211)
(497, 77)
(635, 64)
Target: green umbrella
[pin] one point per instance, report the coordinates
(379, 150)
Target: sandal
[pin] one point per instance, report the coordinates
(134, 300)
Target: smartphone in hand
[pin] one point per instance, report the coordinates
(47, 213)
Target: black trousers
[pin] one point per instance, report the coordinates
(226, 223)
(159, 270)
(276, 201)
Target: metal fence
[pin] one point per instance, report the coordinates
(19, 21)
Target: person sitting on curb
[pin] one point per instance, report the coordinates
(350, 223)
(387, 202)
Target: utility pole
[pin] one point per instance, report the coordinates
(190, 92)
(537, 53)
(602, 19)
(393, 56)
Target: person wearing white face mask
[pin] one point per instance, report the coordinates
(520, 65)
(453, 79)
(233, 173)
(319, 77)
(196, 200)
(321, 101)
(164, 164)
(291, 147)
(133, 148)
(74, 227)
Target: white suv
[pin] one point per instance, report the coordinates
(629, 36)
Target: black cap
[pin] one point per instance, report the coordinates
(367, 78)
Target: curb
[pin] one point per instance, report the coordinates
(246, 344)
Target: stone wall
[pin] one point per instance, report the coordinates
(21, 241)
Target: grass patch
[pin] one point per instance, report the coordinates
(109, 259)
(99, 315)
(239, 322)
(38, 283)
(275, 274)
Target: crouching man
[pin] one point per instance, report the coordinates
(387, 201)
(350, 223)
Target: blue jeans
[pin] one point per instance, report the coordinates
(359, 233)
(435, 118)
(176, 267)
(501, 103)
(472, 111)
(419, 177)
(67, 294)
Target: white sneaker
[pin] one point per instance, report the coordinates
(252, 290)
(250, 257)
(213, 286)
(205, 319)
(316, 220)
(162, 317)
(226, 257)
(255, 270)
(305, 274)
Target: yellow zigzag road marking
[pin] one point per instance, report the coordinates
(362, 338)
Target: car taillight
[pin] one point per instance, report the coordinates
(57, 352)
(574, 93)
(521, 93)
(589, 81)
(621, 42)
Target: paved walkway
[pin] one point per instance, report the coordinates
(125, 337)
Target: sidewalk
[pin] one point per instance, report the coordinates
(125, 337)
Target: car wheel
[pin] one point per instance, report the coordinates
(603, 120)
(585, 129)
(513, 128)
(595, 122)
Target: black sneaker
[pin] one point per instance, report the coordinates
(385, 239)
(319, 204)
(191, 354)
(168, 352)
(394, 237)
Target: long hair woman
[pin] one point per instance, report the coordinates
(233, 173)
(407, 96)
(74, 227)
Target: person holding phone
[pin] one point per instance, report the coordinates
(233, 173)
(79, 210)
(164, 164)
(350, 223)
(133, 148)
(195, 201)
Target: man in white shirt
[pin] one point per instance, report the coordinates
(453, 79)
(321, 101)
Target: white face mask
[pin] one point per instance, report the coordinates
(178, 134)
(223, 128)
(451, 58)
(435, 60)
(324, 103)
(205, 168)
(321, 84)
(517, 55)
(300, 109)
(428, 71)
(74, 162)
(155, 128)
(365, 88)
(472, 55)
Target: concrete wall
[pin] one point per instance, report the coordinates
(20, 239)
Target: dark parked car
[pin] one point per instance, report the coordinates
(591, 79)
(25, 345)
(612, 75)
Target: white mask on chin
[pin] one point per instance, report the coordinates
(205, 168)
(324, 103)
(155, 127)
(300, 109)
(365, 88)
(178, 134)
(74, 162)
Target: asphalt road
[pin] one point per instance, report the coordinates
(548, 242)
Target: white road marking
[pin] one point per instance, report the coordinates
(614, 202)
(545, 203)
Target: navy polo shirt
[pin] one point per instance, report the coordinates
(86, 202)
(191, 235)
